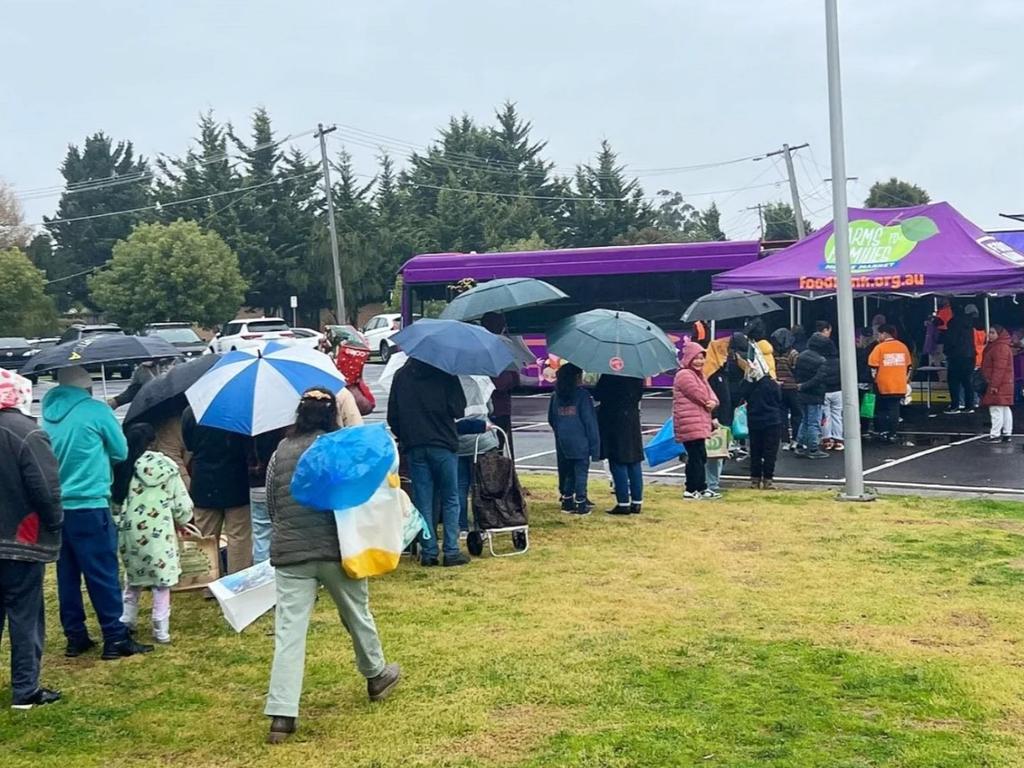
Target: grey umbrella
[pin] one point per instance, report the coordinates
(502, 295)
(725, 305)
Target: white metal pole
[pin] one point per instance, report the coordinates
(853, 460)
(988, 317)
(792, 311)
(103, 377)
(865, 325)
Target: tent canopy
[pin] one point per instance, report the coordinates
(924, 249)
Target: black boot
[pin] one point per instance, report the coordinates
(635, 507)
(126, 647)
(76, 648)
(568, 505)
(280, 729)
(619, 509)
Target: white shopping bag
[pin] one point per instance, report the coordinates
(372, 535)
(246, 595)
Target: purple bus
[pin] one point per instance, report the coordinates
(656, 282)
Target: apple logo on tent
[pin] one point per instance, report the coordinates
(873, 246)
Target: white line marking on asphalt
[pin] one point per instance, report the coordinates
(531, 425)
(920, 454)
(534, 456)
(668, 471)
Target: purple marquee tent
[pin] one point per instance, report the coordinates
(924, 249)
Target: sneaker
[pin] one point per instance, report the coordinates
(429, 562)
(635, 507)
(41, 697)
(838, 445)
(1007, 439)
(378, 688)
(787, 446)
(76, 648)
(451, 561)
(952, 411)
(992, 439)
(827, 444)
(971, 409)
(816, 455)
(567, 505)
(583, 510)
(693, 495)
(710, 495)
(755, 485)
(281, 728)
(619, 509)
(768, 485)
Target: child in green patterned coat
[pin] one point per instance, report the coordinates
(153, 502)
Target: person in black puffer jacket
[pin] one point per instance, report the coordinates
(811, 374)
(305, 552)
(763, 397)
(832, 440)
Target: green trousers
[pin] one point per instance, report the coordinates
(296, 593)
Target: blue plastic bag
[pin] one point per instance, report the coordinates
(740, 430)
(344, 469)
(663, 446)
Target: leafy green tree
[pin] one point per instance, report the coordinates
(780, 222)
(166, 272)
(25, 309)
(101, 177)
(610, 205)
(676, 221)
(895, 194)
(532, 243)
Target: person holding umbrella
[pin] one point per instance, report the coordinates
(618, 419)
(87, 441)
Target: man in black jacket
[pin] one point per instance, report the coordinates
(811, 374)
(220, 487)
(960, 358)
(30, 525)
(422, 409)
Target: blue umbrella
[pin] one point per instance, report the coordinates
(457, 348)
(252, 391)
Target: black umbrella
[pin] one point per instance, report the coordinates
(165, 395)
(105, 349)
(725, 305)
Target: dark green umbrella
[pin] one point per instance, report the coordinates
(501, 295)
(728, 304)
(609, 341)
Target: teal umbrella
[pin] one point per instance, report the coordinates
(619, 343)
(502, 295)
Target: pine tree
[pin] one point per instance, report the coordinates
(612, 205)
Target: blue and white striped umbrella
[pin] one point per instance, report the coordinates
(254, 391)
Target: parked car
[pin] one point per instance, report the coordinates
(181, 335)
(44, 342)
(378, 330)
(307, 337)
(15, 352)
(80, 331)
(249, 334)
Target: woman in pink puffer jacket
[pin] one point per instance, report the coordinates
(692, 404)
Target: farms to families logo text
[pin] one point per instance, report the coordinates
(873, 246)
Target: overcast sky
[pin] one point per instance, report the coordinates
(929, 85)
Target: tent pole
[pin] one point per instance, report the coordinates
(792, 311)
(713, 329)
(988, 318)
(865, 311)
(800, 311)
(852, 458)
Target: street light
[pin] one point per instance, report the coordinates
(853, 459)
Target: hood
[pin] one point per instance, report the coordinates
(1002, 338)
(61, 400)
(783, 340)
(738, 342)
(154, 469)
(691, 350)
(821, 344)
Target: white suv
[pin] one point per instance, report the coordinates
(248, 334)
(378, 330)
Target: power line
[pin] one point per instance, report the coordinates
(172, 203)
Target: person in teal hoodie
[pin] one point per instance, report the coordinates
(87, 441)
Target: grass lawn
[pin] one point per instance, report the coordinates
(768, 629)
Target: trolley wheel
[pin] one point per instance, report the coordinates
(475, 543)
(519, 540)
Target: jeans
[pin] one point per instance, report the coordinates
(21, 601)
(887, 414)
(792, 413)
(465, 481)
(809, 436)
(89, 549)
(713, 474)
(834, 415)
(261, 525)
(764, 450)
(572, 479)
(435, 469)
(1002, 420)
(629, 482)
(696, 461)
(959, 370)
(297, 587)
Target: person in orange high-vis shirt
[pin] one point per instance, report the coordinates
(890, 365)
